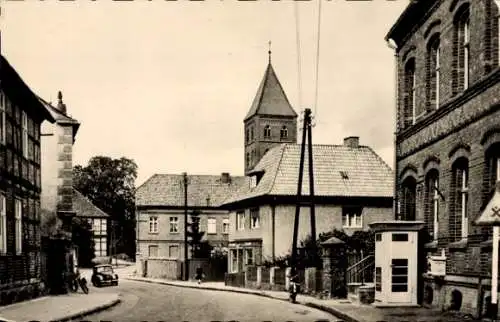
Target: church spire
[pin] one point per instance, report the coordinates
(269, 52)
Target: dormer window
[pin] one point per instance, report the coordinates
(253, 182)
(284, 132)
(267, 132)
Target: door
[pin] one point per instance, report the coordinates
(400, 282)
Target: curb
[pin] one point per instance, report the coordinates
(323, 308)
(332, 311)
(88, 312)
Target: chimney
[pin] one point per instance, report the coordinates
(225, 177)
(351, 141)
(60, 105)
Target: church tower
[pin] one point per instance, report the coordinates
(270, 121)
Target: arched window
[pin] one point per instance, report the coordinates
(433, 72)
(267, 131)
(408, 199)
(492, 170)
(409, 102)
(461, 49)
(284, 132)
(432, 196)
(459, 220)
(248, 159)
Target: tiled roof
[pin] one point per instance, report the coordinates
(16, 89)
(84, 207)
(339, 171)
(168, 190)
(270, 98)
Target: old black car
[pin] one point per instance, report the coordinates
(103, 275)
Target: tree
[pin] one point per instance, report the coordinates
(199, 248)
(82, 239)
(110, 185)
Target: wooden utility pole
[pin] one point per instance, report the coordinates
(306, 134)
(186, 268)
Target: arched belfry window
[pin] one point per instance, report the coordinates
(267, 132)
(408, 199)
(409, 97)
(433, 72)
(284, 132)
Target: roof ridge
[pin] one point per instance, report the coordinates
(379, 158)
(282, 148)
(147, 180)
(90, 201)
(282, 89)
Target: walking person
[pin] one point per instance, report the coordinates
(199, 274)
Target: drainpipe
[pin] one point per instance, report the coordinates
(273, 228)
(392, 44)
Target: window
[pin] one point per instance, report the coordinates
(3, 99)
(399, 237)
(254, 218)
(234, 260)
(408, 199)
(378, 237)
(3, 224)
(173, 251)
(212, 226)
(104, 226)
(153, 224)
(409, 98)
(491, 171)
(461, 49)
(434, 76)
(267, 132)
(19, 226)
(249, 256)
(432, 203)
(96, 226)
(153, 250)
(351, 217)
(240, 220)
(284, 132)
(25, 134)
(378, 279)
(251, 133)
(247, 135)
(465, 49)
(174, 224)
(225, 226)
(399, 275)
(248, 159)
(459, 204)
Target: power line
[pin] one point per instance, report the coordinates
(299, 69)
(317, 60)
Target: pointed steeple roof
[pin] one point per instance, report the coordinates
(271, 98)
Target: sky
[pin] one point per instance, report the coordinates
(168, 83)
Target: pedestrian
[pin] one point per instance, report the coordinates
(199, 274)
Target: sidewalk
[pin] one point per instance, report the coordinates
(342, 309)
(58, 308)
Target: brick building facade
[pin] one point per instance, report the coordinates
(448, 140)
(21, 116)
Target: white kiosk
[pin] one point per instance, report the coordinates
(396, 262)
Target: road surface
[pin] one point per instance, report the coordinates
(155, 302)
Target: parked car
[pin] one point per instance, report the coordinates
(103, 275)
